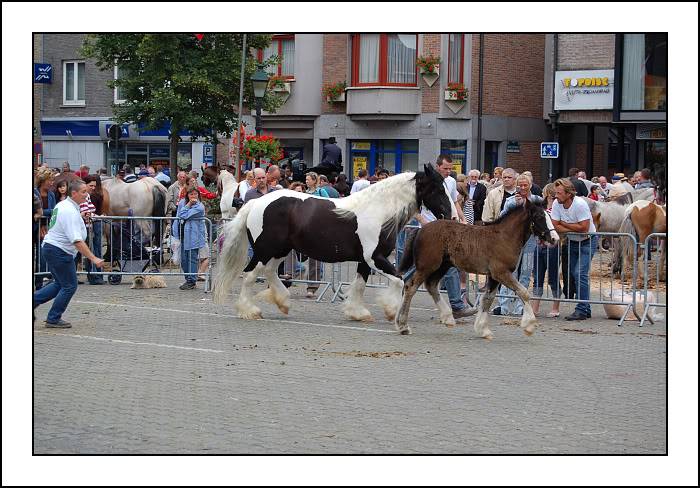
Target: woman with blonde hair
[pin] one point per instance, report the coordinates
(246, 184)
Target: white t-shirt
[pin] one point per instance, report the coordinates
(66, 227)
(360, 184)
(452, 190)
(577, 212)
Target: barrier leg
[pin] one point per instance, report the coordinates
(624, 315)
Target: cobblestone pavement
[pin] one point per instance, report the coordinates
(168, 371)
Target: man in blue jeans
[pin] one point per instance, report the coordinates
(66, 237)
(572, 217)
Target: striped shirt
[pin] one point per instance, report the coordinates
(87, 206)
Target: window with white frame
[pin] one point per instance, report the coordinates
(74, 83)
(283, 47)
(455, 64)
(119, 96)
(384, 59)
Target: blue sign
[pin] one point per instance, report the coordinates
(549, 150)
(42, 73)
(125, 130)
(208, 153)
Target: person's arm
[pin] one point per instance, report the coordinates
(85, 251)
(187, 212)
(564, 227)
(487, 213)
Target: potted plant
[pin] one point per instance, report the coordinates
(256, 147)
(428, 64)
(279, 84)
(456, 92)
(335, 92)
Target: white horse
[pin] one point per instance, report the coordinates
(227, 185)
(146, 197)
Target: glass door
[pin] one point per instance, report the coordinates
(361, 156)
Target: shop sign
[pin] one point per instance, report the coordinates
(360, 146)
(42, 73)
(513, 147)
(651, 131)
(358, 163)
(584, 90)
(159, 152)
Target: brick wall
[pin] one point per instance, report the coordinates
(528, 159)
(98, 96)
(513, 74)
(586, 51)
(335, 67)
(600, 165)
(430, 101)
(36, 108)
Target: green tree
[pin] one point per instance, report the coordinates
(192, 84)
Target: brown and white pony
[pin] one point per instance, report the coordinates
(641, 219)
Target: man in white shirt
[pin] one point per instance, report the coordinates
(570, 214)
(451, 278)
(361, 183)
(66, 237)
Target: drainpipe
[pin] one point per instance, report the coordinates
(554, 114)
(481, 106)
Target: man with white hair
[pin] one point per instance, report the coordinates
(477, 193)
(603, 184)
(496, 198)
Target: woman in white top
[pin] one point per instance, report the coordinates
(66, 237)
(246, 184)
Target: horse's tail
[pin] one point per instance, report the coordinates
(626, 247)
(234, 254)
(159, 202)
(407, 257)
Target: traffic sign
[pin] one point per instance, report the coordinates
(42, 73)
(208, 154)
(549, 150)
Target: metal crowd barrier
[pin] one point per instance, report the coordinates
(128, 252)
(656, 255)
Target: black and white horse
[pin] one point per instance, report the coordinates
(361, 228)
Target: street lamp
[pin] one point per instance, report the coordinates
(259, 79)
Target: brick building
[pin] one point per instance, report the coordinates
(603, 89)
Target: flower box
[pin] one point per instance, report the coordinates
(430, 76)
(339, 98)
(454, 95)
(285, 87)
(436, 70)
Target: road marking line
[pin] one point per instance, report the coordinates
(126, 342)
(364, 329)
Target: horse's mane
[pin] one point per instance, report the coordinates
(390, 193)
(508, 214)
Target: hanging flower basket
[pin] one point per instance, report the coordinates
(279, 84)
(428, 64)
(335, 92)
(256, 147)
(456, 92)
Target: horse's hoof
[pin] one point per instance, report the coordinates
(406, 332)
(284, 310)
(366, 318)
(528, 332)
(488, 337)
(389, 317)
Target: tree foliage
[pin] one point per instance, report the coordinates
(175, 78)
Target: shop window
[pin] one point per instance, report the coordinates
(644, 71)
(457, 150)
(384, 59)
(283, 47)
(73, 83)
(455, 63)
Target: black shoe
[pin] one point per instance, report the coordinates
(61, 324)
(496, 311)
(187, 286)
(588, 315)
(577, 316)
(463, 312)
(97, 282)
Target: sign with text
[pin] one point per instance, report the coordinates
(584, 90)
(358, 163)
(513, 147)
(651, 131)
(42, 73)
(549, 150)
(208, 153)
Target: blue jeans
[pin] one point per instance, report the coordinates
(64, 284)
(400, 245)
(579, 263)
(190, 262)
(522, 274)
(451, 282)
(546, 261)
(95, 241)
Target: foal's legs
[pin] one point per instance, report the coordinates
(354, 307)
(246, 307)
(277, 293)
(444, 308)
(481, 324)
(528, 322)
(409, 291)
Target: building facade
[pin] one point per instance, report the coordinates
(587, 91)
(606, 96)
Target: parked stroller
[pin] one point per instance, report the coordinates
(128, 251)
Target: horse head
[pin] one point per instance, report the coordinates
(542, 225)
(431, 192)
(210, 174)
